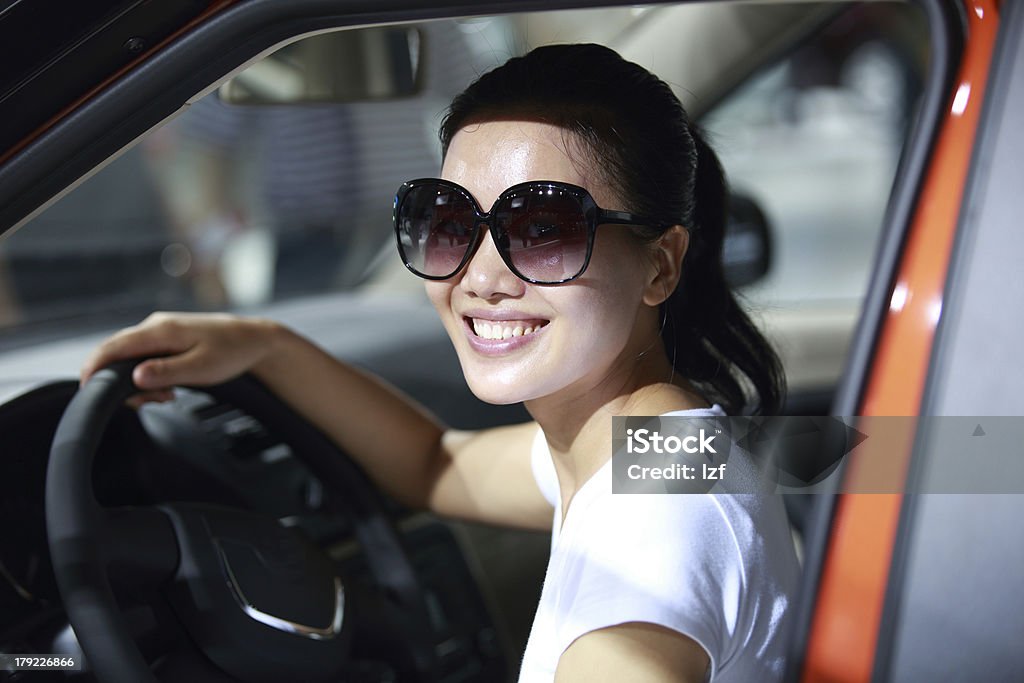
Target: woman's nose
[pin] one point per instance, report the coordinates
(486, 274)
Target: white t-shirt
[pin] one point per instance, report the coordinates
(717, 567)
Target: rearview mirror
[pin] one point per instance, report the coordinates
(356, 65)
(747, 248)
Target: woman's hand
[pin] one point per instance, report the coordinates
(195, 348)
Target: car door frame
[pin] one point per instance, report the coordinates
(854, 542)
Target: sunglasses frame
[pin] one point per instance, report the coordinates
(592, 213)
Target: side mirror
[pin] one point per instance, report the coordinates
(747, 249)
(355, 65)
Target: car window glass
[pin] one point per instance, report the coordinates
(230, 207)
(814, 141)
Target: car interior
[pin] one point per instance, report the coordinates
(269, 193)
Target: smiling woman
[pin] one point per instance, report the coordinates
(604, 234)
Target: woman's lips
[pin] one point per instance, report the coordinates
(495, 337)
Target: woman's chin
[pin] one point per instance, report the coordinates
(502, 386)
(497, 394)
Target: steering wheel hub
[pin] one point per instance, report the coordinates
(262, 602)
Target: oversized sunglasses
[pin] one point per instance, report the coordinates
(543, 229)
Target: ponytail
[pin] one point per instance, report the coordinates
(707, 334)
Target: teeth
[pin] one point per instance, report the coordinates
(496, 330)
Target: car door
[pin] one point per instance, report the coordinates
(882, 577)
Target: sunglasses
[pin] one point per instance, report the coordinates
(543, 229)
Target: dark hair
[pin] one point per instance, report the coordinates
(644, 145)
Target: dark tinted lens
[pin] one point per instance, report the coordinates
(546, 232)
(435, 226)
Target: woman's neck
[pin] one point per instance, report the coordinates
(577, 422)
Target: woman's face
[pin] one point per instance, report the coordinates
(583, 331)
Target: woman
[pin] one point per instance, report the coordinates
(544, 308)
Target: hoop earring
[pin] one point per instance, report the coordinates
(675, 347)
(661, 331)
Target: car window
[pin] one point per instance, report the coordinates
(230, 207)
(235, 207)
(814, 140)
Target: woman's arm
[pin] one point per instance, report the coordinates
(483, 476)
(635, 651)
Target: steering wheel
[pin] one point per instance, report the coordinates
(260, 601)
